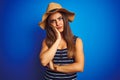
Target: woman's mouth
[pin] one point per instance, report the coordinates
(59, 27)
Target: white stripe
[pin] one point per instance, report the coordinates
(61, 54)
(63, 60)
(74, 79)
(60, 57)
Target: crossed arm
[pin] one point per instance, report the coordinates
(47, 56)
(78, 65)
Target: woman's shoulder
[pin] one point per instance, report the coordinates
(44, 41)
(77, 39)
(79, 42)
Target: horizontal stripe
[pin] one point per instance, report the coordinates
(58, 73)
(61, 54)
(60, 57)
(60, 77)
(63, 60)
(61, 63)
(61, 51)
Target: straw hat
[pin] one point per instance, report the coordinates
(52, 8)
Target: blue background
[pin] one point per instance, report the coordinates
(97, 23)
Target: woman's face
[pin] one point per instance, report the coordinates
(56, 21)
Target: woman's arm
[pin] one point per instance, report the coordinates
(78, 65)
(47, 54)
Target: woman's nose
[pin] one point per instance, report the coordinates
(57, 22)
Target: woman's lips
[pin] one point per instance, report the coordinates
(59, 27)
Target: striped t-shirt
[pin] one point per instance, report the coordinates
(62, 59)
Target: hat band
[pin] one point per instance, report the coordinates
(53, 10)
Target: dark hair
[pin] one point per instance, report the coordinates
(67, 35)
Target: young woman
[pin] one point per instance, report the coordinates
(62, 52)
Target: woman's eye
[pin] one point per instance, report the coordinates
(52, 21)
(60, 18)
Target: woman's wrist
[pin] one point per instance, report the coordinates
(56, 67)
(58, 40)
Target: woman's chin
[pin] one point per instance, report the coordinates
(60, 30)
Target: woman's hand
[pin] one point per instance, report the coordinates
(57, 33)
(52, 66)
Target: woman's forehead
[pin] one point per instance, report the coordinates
(55, 15)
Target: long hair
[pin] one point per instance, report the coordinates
(67, 35)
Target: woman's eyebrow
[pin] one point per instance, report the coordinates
(56, 18)
(59, 17)
(52, 20)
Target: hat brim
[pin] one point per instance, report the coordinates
(68, 13)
